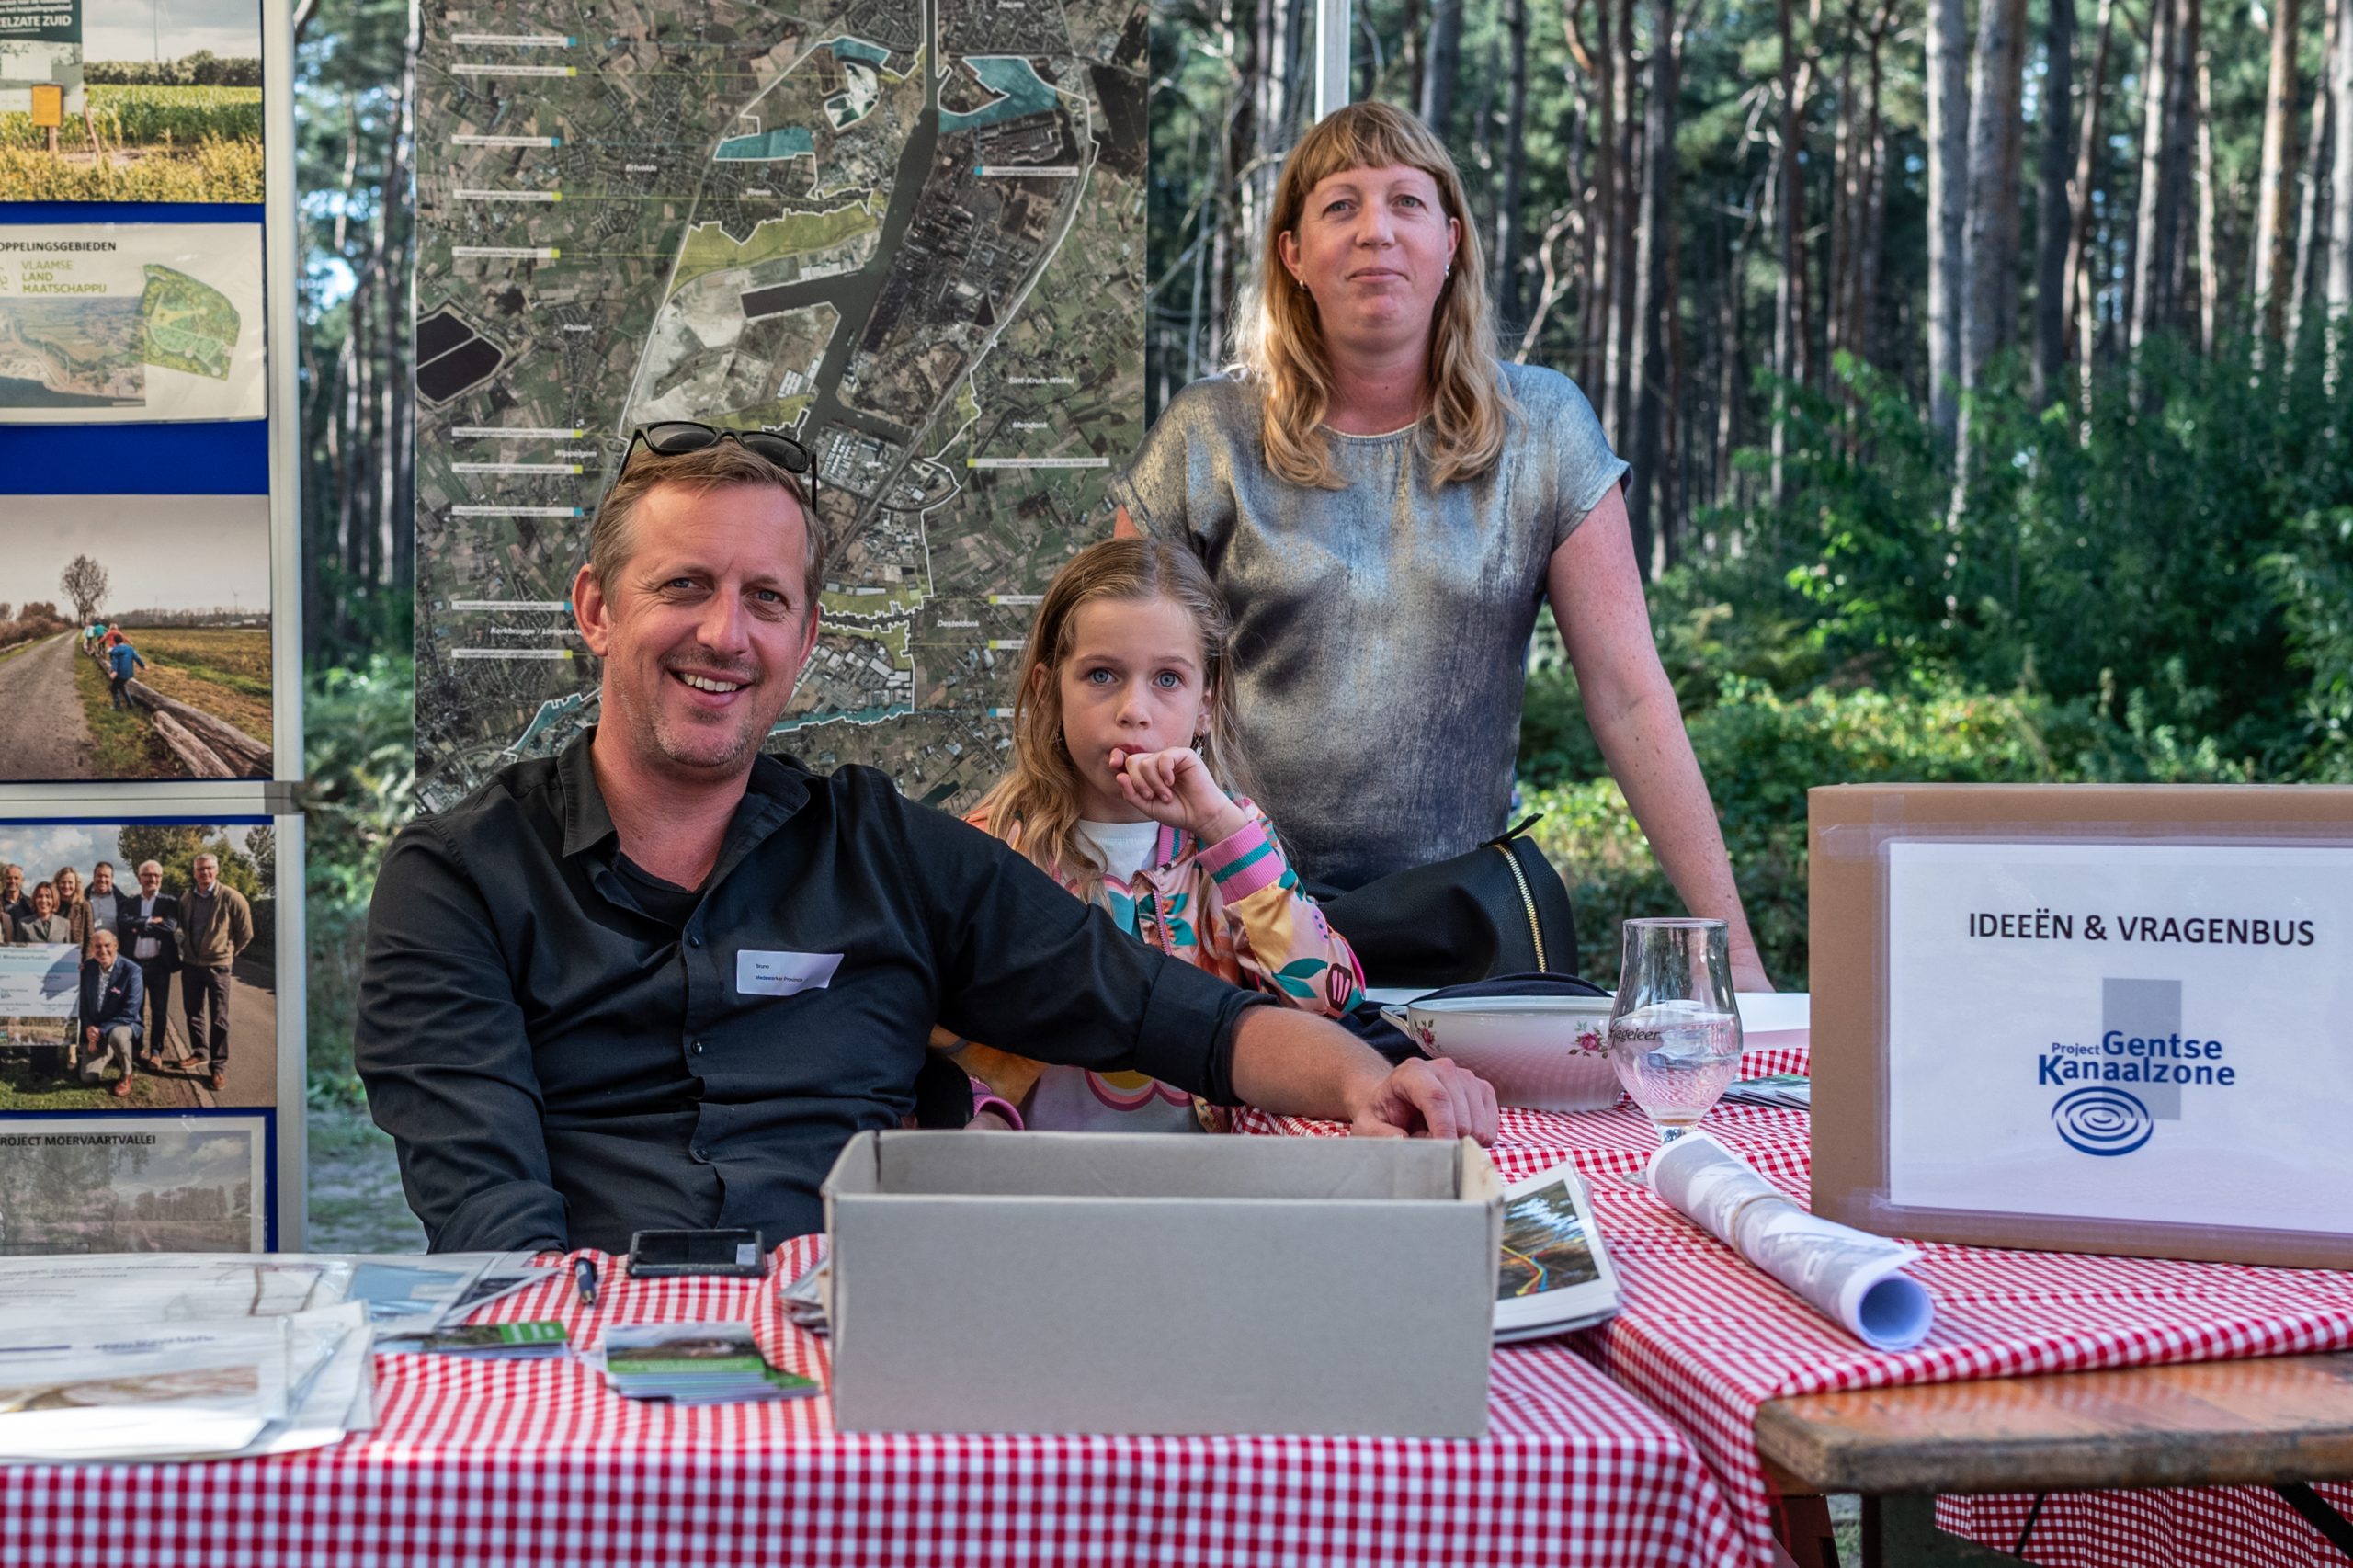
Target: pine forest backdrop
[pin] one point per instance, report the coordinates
(1983, 364)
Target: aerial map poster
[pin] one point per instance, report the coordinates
(102, 323)
(911, 232)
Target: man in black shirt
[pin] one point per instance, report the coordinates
(659, 980)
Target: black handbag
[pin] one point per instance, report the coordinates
(1501, 909)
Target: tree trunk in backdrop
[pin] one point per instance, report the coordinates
(1442, 64)
(2339, 290)
(2081, 308)
(1788, 211)
(2273, 260)
(1654, 302)
(2053, 220)
(1509, 293)
(2312, 217)
(1990, 244)
(1947, 157)
(2153, 225)
(1623, 200)
(2210, 271)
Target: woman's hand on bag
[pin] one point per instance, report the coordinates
(1174, 786)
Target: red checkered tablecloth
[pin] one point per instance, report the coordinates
(534, 1462)
(1707, 1339)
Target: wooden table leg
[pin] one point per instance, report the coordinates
(1900, 1531)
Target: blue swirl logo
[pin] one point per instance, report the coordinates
(2102, 1121)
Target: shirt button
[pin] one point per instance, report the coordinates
(703, 1154)
(694, 939)
(698, 1048)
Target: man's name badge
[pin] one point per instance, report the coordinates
(760, 973)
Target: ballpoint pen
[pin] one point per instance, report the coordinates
(583, 1280)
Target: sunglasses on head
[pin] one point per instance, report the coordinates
(674, 437)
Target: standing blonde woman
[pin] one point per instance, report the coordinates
(1384, 505)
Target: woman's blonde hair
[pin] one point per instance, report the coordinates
(1035, 807)
(1282, 342)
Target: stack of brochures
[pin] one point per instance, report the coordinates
(1792, 1090)
(1556, 1275)
(180, 1357)
(486, 1341)
(694, 1363)
(200, 1356)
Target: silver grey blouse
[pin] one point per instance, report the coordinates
(1381, 630)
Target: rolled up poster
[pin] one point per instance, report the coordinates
(1844, 1274)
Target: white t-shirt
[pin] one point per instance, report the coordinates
(1071, 1099)
(1124, 847)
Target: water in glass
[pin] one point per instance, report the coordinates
(1675, 1030)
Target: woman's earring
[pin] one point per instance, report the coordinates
(1300, 279)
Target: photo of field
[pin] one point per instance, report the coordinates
(184, 583)
(134, 1184)
(1544, 1245)
(162, 103)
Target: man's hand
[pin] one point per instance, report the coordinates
(1294, 1063)
(1174, 787)
(1434, 1099)
(90, 1035)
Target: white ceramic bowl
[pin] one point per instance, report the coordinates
(1544, 1053)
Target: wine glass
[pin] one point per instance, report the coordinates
(1675, 1030)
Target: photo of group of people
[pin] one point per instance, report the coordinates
(138, 965)
(135, 638)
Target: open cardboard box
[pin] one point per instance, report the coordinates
(1126, 1283)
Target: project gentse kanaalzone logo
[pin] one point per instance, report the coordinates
(2115, 1089)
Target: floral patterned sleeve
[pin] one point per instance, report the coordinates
(1284, 945)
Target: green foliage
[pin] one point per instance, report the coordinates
(2160, 592)
(175, 846)
(2118, 558)
(2311, 576)
(362, 766)
(202, 69)
(1762, 751)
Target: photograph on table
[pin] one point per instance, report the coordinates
(131, 100)
(1555, 1272)
(167, 931)
(135, 1183)
(114, 323)
(135, 638)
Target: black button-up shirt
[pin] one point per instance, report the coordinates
(560, 1067)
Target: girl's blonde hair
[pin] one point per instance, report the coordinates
(1035, 807)
(1282, 342)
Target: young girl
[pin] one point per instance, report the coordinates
(1124, 752)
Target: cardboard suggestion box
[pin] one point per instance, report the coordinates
(2087, 1017)
(1129, 1283)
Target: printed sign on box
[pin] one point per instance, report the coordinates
(2148, 1032)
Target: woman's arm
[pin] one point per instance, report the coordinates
(1597, 593)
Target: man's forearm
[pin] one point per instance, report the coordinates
(1295, 1063)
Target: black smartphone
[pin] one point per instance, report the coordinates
(655, 1253)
